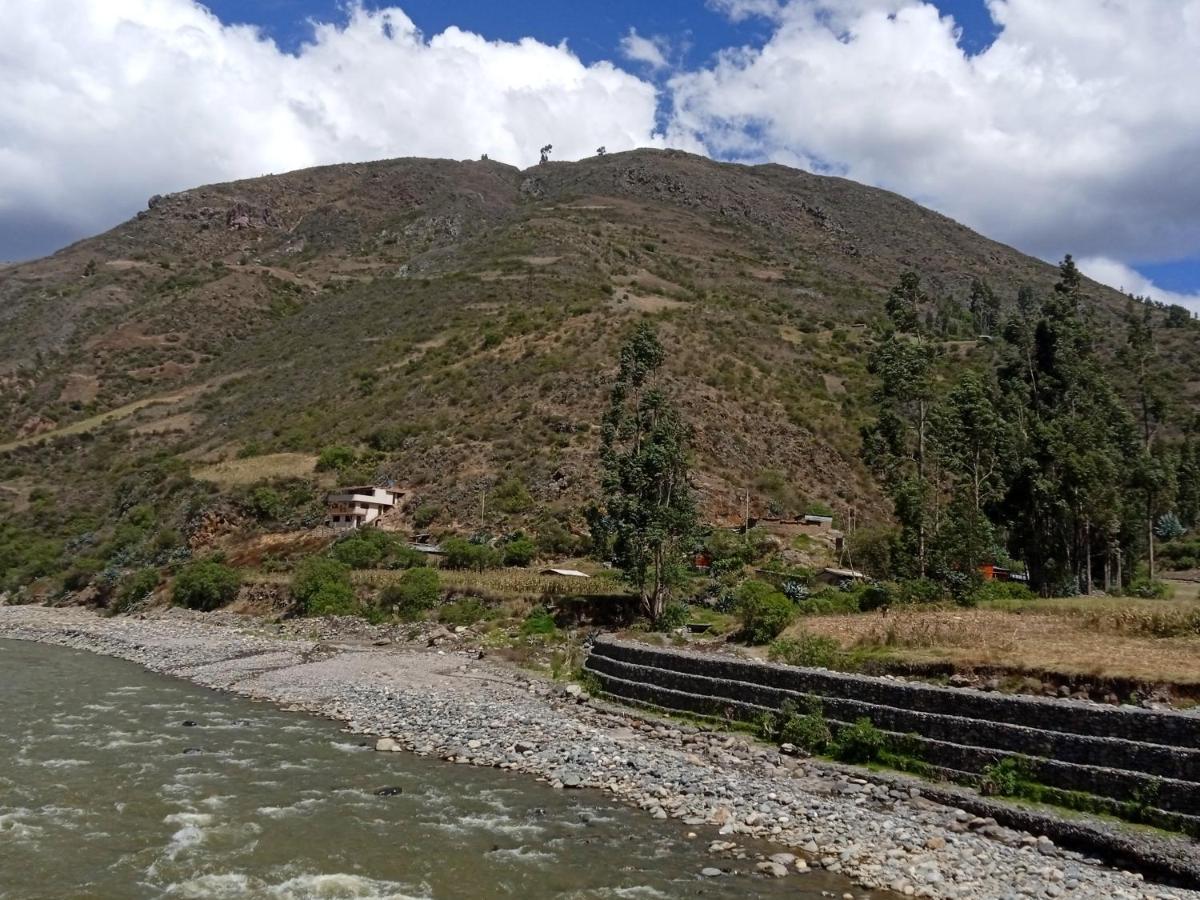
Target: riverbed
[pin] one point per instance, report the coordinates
(116, 782)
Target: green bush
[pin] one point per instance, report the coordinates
(463, 554)
(426, 515)
(511, 496)
(321, 587)
(764, 611)
(519, 551)
(467, 611)
(134, 589)
(553, 539)
(364, 548)
(1004, 778)
(206, 585)
(808, 731)
(920, 590)
(539, 621)
(859, 743)
(802, 726)
(991, 591)
(405, 557)
(810, 650)
(831, 601)
(263, 503)
(335, 459)
(1151, 590)
(417, 590)
(675, 614)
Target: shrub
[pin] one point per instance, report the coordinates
(519, 551)
(263, 503)
(812, 650)
(467, 611)
(1004, 778)
(134, 589)
(426, 515)
(802, 726)
(674, 615)
(321, 587)
(364, 548)
(417, 590)
(406, 557)
(553, 539)
(764, 611)
(874, 596)
(859, 743)
(206, 585)
(920, 590)
(831, 601)
(539, 621)
(989, 591)
(809, 732)
(463, 554)
(511, 496)
(1151, 590)
(335, 459)
(80, 575)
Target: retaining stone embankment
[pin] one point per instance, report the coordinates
(1116, 769)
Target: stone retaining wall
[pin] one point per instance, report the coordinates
(1121, 755)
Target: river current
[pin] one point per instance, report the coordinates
(119, 783)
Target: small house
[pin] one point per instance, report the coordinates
(837, 576)
(354, 507)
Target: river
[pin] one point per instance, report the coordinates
(119, 783)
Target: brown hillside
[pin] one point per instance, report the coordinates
(464, 317)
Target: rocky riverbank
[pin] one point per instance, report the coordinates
(447, 702)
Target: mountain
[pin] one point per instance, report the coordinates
(463, 318)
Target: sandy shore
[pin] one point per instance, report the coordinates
(448, 703)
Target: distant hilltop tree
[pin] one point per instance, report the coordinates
(545, 151)
(601, 150)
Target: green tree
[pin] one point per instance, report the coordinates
(649, 513)
(895, 445)
(1072, 440)
(205, 584)
(321, 587)
(970, 440)
(984, 306)
(1154, 477)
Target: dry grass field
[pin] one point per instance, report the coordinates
(236, 472)
(1125, 638)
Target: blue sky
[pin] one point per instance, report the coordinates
(593, 29)
(1050, 127)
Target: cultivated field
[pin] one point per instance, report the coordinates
(1122, 638)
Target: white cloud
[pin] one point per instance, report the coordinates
(108, 101)
(1124, 278)
(643, 49)
(1076, 130)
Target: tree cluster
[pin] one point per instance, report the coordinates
(1040, 456)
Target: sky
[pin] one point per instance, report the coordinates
(1053, 125)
